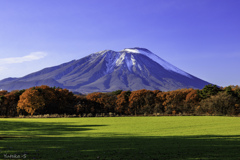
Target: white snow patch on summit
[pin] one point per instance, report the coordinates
(159, 60)
(139, 51)
(131, 50)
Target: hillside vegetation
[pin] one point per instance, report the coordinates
(42, 100)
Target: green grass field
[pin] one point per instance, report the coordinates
(123, 138)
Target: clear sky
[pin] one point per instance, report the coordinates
(201, 37)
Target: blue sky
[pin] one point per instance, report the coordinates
(201, 37)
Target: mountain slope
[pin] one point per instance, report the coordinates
(129, 69)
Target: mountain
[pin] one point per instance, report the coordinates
(129, 69)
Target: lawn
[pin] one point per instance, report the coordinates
(150, 138)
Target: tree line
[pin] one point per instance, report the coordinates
(211, 100)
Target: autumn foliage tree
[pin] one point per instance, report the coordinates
(8, 102)
(98, 98)
(47, 100)
(50, 99)
(122, 102)
(85, 106)
(31, 101)
(191, 102)
(107, 101)
(141, 101)
(11, 102)
(177, 101)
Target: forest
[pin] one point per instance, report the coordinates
(45, 100)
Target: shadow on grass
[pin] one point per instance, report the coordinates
(188, 147)
(125, 147)
(41, 128)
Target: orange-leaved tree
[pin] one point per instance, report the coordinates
(50, 99)
(141, 101)
(192, 101)
(122, 102)
(106, 101)
(31, 101)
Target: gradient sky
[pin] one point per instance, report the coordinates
(201, 37)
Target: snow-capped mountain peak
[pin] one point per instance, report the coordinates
(115, 59)
(108, 70)
(118, 59)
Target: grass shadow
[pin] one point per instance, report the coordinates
(41, 128)
(184, 147)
